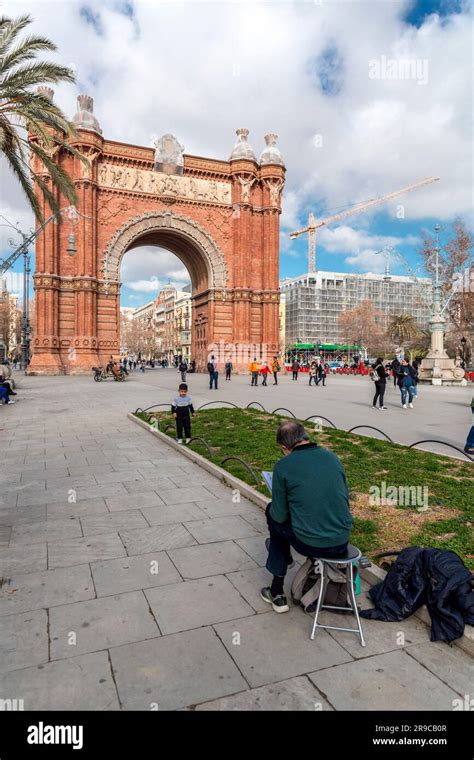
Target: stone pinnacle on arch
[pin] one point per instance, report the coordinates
(271, 153)
(242, 148)
(84, 118)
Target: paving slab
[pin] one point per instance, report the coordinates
(106, 522)
(22, 559)
(147, 484)
(451, 665)
(31, 591)
(79, 683)
(23, 640)
(49, 531)
(210, 559)
(133, 501)
(391, 681)
(220, 529)
(183, 495)
(115, 576)
(193, 604)
(272, 647)
(171, 514)
(221, 508)
(79, 509)
(156, 538)
(99, 624)
(255, 548)
(379, 636)
(297, 694)
(174, 671)
(78, 551)
(249, 583)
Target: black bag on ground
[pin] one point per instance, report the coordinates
(306, 587)
(435, 577)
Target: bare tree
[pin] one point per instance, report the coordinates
(363, 326)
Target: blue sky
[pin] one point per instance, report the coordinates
(329, 77)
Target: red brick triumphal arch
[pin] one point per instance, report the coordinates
(221, 218)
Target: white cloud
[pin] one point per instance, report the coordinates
(346, 239)
(377, 135)
(151, 264)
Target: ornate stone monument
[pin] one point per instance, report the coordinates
(437, 368)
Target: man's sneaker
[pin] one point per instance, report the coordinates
(373, 406)
(188, 440)
(469, 449)
(410, 406)
(290, 560)
(278, 602)
(383, 408)
(404, 406)
(180, 440)
(10, 402)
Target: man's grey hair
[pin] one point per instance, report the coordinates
(290, 433)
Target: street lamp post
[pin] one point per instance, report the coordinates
(25, 320)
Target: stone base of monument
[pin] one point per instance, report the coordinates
(438, 369)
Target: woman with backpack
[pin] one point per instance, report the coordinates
(379, 376)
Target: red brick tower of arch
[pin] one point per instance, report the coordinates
(221, 218)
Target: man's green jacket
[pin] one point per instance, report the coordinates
(310, 489)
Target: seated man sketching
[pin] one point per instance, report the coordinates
(309, 509)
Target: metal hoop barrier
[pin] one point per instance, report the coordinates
(231, 403)
(155, 406)
(167, 427)
(204, 442)
(319, 417)
(247, 467)
(256, 403)
(283, 409)
(444, 443)
(370, 427)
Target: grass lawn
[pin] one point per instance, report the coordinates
(446, 522)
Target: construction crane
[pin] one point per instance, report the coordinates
(314, 224)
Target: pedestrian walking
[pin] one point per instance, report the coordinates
(405, 382)
(395, 366)
(182, 409)
(213, 369)
(379, 376)
(415, 366)
(321, 374)
(228, 370)
(183, 368)
(254, 369)
(313, 373)
(265, 371)
(275, 369)
(295, 367)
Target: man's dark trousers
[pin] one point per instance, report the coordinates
(213, 378)
(275, 377)
(282, 539)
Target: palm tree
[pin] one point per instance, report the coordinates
(23, 110)
(402, 328)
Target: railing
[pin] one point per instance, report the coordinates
(307, 419)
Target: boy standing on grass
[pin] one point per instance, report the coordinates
(182, 409)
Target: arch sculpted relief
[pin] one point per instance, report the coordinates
(159, 183)
(166, 221)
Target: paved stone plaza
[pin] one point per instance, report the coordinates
(91, 506)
